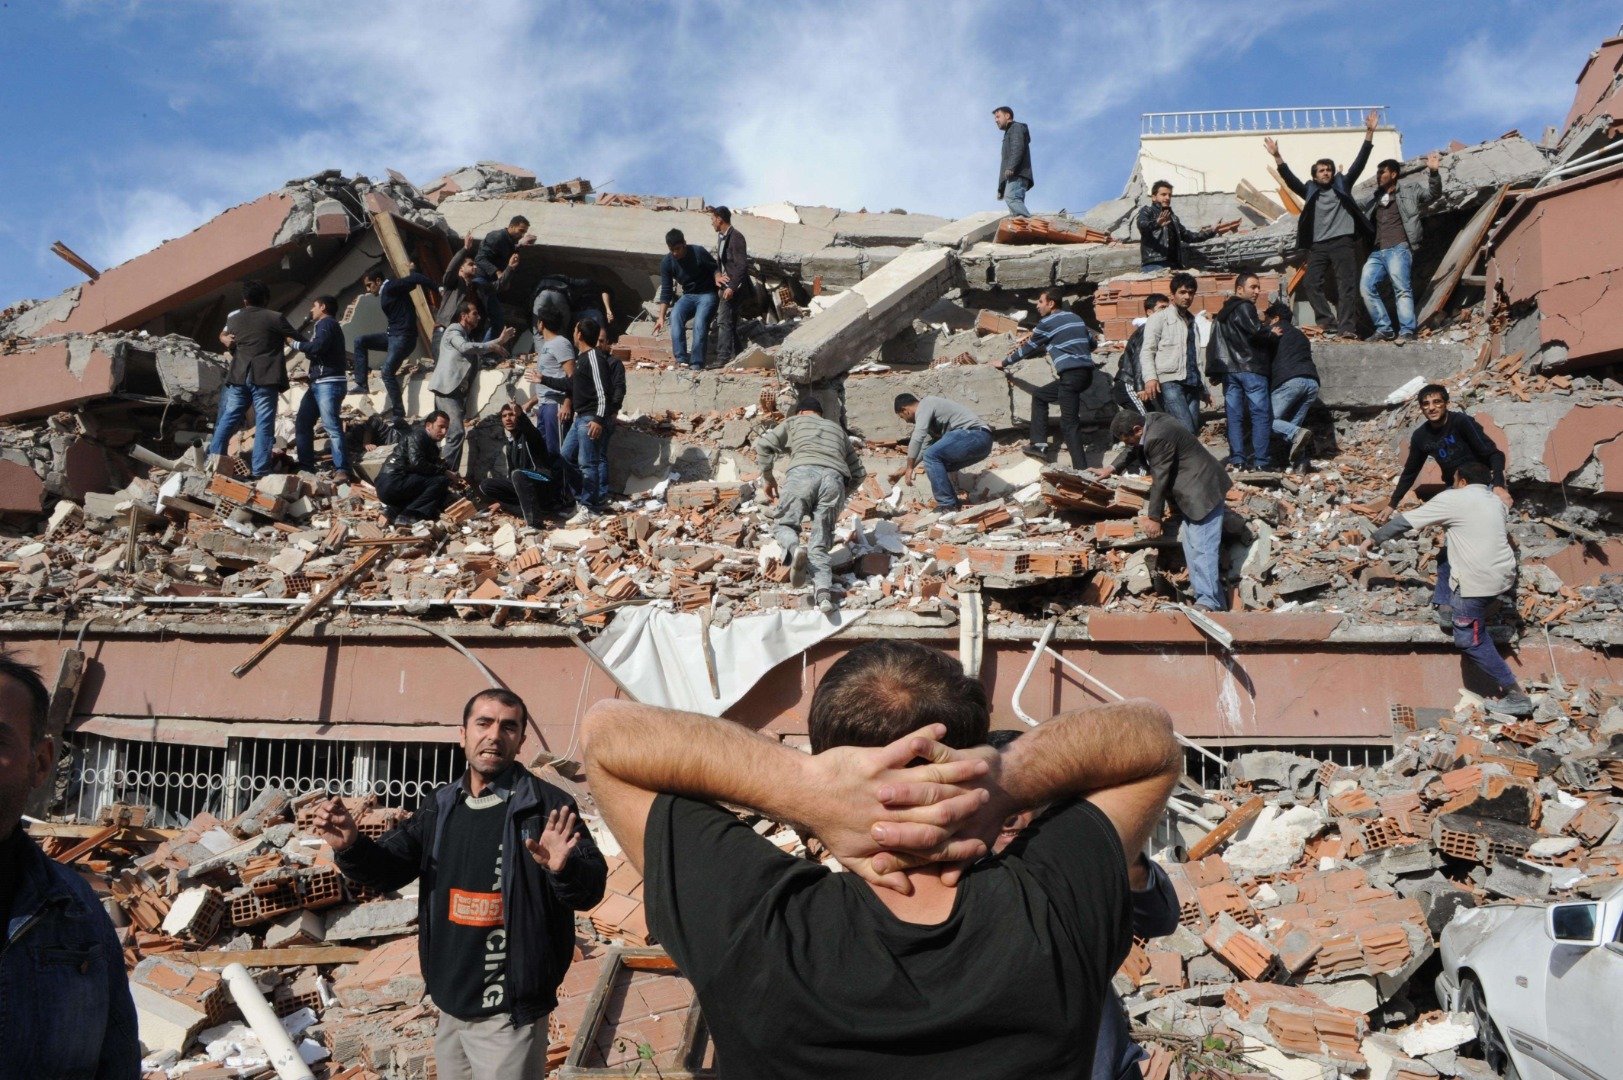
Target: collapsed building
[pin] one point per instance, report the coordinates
(237, 646)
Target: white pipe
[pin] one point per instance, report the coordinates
(267, 601)
(971, 632)
(284, 1056)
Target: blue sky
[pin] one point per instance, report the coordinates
(131, 122)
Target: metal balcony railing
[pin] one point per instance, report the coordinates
(1238, 121)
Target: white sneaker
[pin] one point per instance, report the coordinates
(581, 516)
(798, 564)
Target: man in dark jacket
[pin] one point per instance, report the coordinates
(503, 862)
(1014, 178)
(499, 246)
(1329, 229)
(1069, 344)
(1161, 236)
(1129, 391)
(394, 296)
(254, 336)
(600, 389)
(1293, 380)
(414, 481)
(464, 280)
(732, 282)
(1183, 469)
(325, 394)
(65, 1004)
(527, 479)
(692, 268)
(1238, 358)
(1394, 215)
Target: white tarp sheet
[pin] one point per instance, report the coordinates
(659, 655)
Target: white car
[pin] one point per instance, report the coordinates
(1544, 982)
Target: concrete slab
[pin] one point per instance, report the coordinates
(1360, 374)
(21, 489)
(57, 375)
(966, 231)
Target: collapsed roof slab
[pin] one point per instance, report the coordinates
(1362, 374)
(57, 375)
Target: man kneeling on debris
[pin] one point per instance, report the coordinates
(914, 965)
(947, 436)
(823, 469)
(414, 482)
(527, 478)
(65, 1007)
(1481, 567)
(503, 862)
(1182, 468)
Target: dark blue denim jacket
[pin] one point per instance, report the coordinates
(65, 1007)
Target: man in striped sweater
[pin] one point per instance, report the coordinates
(1069, 343)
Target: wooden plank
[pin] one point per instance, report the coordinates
(292, 956)
(1461, 254)
(1226, 829)
(64, 696)
(1258, 201)
(359, 567)
(400, 261)
(75, 260)
(1287, 197)
(126, 833)
(89, 844)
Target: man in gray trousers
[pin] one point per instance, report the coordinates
(823, 470)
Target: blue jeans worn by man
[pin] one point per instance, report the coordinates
(1014, 195)
(699, 308)
(1182, 401)
(1389, 264)
(1291, 399)
(948, 454)
(323, 397)
(234, 402)
(546, 421)
(591, 457)
(1245, 401)
(1471, 637)
(399, 347)
(1202, 547)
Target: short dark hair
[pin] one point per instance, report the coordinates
(255, 293)
(1005, 110)
(1159, 184)
(1244, 276)
(1475, 472)
(903, 401)
(723, 213)
(551, 320)
(1181, 280)
(1279, 310)
(881, 690)
(500, 696)
(1323, 161)
(1001, 738)
(329, 304)
(674, 238)
(518, 219)
(468, 305)
(374, 274)
(1432, 388)
(588, 329)
(1155, 300)
(39, 698)
(1389, 163)
(1053, 295)
(1123, 424)
(809, 404)
(437, 414)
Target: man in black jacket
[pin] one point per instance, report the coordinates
(1330, 229)
(1161, 236)
(504, 863)
(465, 280)
(527, 479)
(1014, 178)
(1129, 390)
(414, 482)
(325, 394)
(499, 246)
(600, 389)
(1293, 380)
(1238, 358)
(394, 296)
(732, 282)
(254, 336)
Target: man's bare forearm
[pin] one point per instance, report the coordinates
(1090, 750)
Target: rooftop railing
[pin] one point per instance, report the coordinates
(1233, 121)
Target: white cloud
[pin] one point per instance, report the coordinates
(141, 220)
(1526, 80)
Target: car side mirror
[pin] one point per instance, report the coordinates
(1576, 923)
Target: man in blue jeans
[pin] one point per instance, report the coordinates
(1293, 381)
(600, 389)
(1238, 357)
(1394, 211)
(65, 1006)
(394, 296)
(946, 437)
(254, 337)
(1185, 471)
(1481, 568)
(1014, 178)
(694, 269)
(326, 393)
(1167, 357)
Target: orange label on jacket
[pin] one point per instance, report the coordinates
(475, 908)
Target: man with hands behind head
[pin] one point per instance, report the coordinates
(504, 863)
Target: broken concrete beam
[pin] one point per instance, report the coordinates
(865, 317)
(966, 231)
(379, 918)
(57, 375)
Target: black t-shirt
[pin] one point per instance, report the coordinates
(467, 959)
(804, 973)
(1459, 440)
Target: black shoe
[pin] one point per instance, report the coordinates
(1445, 617)
(1379, 335)
(1038, 453)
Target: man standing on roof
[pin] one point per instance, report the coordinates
(1069, 344)
(1161, 236)
(504, 862)
(693, 269)
(1329, 229)
(1480, 568)
(947, 437)
(1394, 210)
(325, 395)
(823, 470)
(1014, 178)
(394, 296)
(732, 279)
(254, 336)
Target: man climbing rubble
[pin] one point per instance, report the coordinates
(823, 469)
(325, 394)
(912, 965)
(399, 339)
(1128, 391)
(1480, 568)
(947, 437)
(1069, 344)
(1185, 471)
(528, 477)
(504, 862)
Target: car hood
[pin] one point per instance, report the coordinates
(1472, 926)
